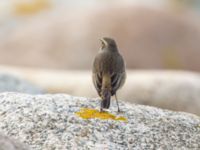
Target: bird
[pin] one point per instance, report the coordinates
(108, 72)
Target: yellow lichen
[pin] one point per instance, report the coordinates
(31, 7)
(87, 113)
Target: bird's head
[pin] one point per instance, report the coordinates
(108, 43)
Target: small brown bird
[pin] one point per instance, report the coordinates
(108, 72)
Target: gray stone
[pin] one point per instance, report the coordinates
(175, 90)
(11, 83)
(49, 122)
(7, 143)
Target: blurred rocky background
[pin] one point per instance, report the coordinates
(63, 34)
(50, 44)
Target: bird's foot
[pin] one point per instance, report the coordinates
(120, 111)
(101, 110)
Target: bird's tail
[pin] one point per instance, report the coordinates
(106, 91)
(105, 103)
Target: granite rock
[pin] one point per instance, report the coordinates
(49, 122)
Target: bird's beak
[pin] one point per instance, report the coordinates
(103, 41)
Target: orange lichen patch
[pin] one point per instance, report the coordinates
(87, 113)
(31, 7)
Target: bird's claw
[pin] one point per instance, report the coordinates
(101, 110)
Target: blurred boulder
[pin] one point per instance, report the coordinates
(175, 90)
(68, 38)
(11, 83)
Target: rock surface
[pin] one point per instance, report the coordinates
(10, 144)
(49, 122)
(11, 83)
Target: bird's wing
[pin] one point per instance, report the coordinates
(97, 81)
(118, 75)
(97, 75)
(117, 81)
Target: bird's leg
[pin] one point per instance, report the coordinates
(117, 102)
(101, 107)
